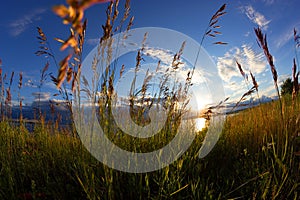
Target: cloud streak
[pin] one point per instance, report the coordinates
(269, 2)
(245, 55)
(93, 41)
(256, 17)
(20, 25)
(287, 35)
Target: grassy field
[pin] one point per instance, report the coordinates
(255, 158)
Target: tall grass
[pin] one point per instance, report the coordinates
(57, 166)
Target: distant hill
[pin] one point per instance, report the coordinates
(248, 103)
(51, 110)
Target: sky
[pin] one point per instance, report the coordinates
(277, 18)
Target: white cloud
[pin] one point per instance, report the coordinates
(41, 96)
(268, 91)
(236, 89)
(236, 86)
(245, 55)
(29, 83)
(20, 25)
(165, 56)
(267, 87)
(227, 67)
(253, 61)
(256, 17)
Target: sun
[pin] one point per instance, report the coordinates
(200, 124)
(202, 104)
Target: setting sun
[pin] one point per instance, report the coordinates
(200, 124)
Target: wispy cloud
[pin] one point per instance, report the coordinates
(268, 91)
(166, 57)
(246, 56)
(30, 83)
(283, 77)
(93, 41)
(266, 86)
(247, 34)
(227, 67)
(268, 2)
(253, 61)
(41, 96)
(287, 35)
(256, 17)
(20, 25)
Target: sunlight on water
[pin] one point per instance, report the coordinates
(200, 123)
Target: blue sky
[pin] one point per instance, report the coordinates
(277, 18)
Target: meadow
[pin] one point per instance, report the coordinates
(256, 157)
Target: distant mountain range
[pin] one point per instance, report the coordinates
(50, 110)
(57, 110)
(248, 104)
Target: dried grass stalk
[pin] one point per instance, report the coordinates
(69, 74)
(248, 93)
(63, 70)
(19, 95)
(176, 59)
(240, 69)
(296, 38)
(213, 25)
(20, 80)
(262, 42)
(295, 76)
(254, 81)
(122, 70)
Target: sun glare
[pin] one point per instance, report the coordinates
(200, 124)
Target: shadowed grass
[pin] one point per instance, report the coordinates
(252, 159)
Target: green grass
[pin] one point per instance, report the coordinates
(254, 159)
